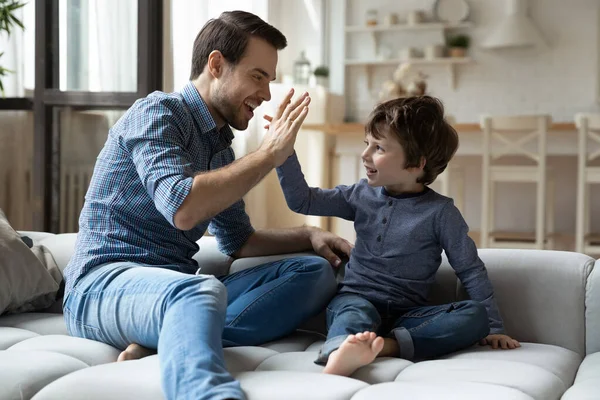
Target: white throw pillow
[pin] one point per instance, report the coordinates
(29, 278)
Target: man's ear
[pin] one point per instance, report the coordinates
(216, 63)
(422, 163)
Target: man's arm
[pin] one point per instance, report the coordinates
(280, 241)
(215, 191)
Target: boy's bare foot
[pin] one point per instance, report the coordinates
(135, 352)
(356, 351)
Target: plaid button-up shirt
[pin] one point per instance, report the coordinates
(141, 177)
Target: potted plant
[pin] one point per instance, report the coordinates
(7, 21)
(458, 45)
(321, 74)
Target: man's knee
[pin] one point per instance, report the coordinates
(327, 282)
(205, 289)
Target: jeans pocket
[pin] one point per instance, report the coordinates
(77, 328)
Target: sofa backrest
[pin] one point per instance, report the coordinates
(592, 311)
(541, 294)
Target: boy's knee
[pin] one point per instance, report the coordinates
(478, 317)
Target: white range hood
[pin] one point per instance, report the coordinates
(515, 29)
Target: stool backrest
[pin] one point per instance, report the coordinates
(512, 135)
(588, 126)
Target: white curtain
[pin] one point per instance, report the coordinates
(16, 127)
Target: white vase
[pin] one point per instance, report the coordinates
(322, 81)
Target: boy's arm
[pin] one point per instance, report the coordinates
(463, 257)
(306, 200)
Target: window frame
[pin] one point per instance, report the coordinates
(47, 98)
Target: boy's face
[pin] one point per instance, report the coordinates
(245, 86)
(384, 161)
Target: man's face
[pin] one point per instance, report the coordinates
(244, 86)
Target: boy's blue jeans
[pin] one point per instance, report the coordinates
(421, 332)
(189, 318)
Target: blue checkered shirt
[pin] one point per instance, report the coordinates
(141, 177)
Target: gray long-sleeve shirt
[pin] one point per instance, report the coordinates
(399, 240)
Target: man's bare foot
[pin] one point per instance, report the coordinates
(356, 351)
(135, 352)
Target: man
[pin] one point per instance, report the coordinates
(165, 174)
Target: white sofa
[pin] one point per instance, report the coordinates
(550, 301)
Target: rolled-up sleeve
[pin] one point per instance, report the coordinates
(232, 228)
(156, 143)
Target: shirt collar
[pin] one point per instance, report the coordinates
(202, 116)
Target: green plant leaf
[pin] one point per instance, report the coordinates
(7, 22)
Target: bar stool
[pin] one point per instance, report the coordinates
(512, 136)
(588, 126)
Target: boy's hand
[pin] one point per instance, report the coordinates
(500, 342)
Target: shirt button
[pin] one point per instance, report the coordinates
(384, 221)
(379, 238)
(390, 203)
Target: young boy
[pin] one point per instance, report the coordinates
(402, 226)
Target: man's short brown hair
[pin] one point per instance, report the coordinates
(418, 124)
(229, 34)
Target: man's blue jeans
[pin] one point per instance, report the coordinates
(421, 332)
(189, 318)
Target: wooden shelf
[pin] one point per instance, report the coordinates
(376, 30)
(414, 61)
(406, 27)
(449, 62)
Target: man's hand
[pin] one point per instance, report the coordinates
(328, 245)
(500, 342)
(284, 126)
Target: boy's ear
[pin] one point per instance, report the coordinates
(422, 163)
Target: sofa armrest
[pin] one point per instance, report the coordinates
(540, 294)
(592, 311)
(210, 260)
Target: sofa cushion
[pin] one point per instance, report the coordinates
(383, 369)
(11, 336)
(561, 362)
(277, 385)
(540, 294)
(24, 373)
(61, 246)
(88, 351)
(28, 280)
(138, 379)
(530, 379)
(40, 323)
(445, 390)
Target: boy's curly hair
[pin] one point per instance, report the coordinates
(418, 124)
